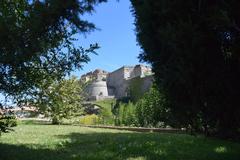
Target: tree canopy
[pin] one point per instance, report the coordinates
(193, 47)
(58, 100)
(37, 41)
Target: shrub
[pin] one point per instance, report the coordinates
(152, 110)
(89, 120)
(6, 122)
(125, 114)
(106, 114)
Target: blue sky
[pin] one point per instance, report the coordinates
(116, 37)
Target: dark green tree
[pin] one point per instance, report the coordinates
(193, 47)
(37, 41)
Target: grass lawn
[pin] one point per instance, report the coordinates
(64, 142)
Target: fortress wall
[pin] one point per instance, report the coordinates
(128, 72)
(120, 74)
(147, 83)
(115, 77)
(140, 70)
(116, 81)
(137, 71)
(137, 86)
(122, 90)
(97, 88)
(119, 82)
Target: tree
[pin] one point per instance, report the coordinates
(125, 113)
(153, 110)
(59, 99)
(37, 42)
(193, 46)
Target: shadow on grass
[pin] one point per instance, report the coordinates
(118, 146)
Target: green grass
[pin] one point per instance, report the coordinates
(65, 142)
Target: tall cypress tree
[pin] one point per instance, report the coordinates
(194, 49)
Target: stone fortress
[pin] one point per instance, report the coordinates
(104, 85)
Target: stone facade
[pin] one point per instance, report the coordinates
(97, 74)
(103, 85)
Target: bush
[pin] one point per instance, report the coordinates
(106, 115)
(6, 122)
(152, 110)
(125, 114)
(89, 120)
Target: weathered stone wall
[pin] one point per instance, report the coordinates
(97, 89)
(137, 71)
(97, 74)
(137, 86)
(140, 70)
(120, 82)
(116, 81)
(147, 83)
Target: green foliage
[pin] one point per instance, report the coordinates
(108, 104)
(106, 115)
(37, 42)
(153, 110)
(120, 112)
(193, 47)
(65, 142)
(6, 122)
(90, 120)
(60, 99)
(126, 114)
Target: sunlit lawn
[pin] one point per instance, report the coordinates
(63, 142)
